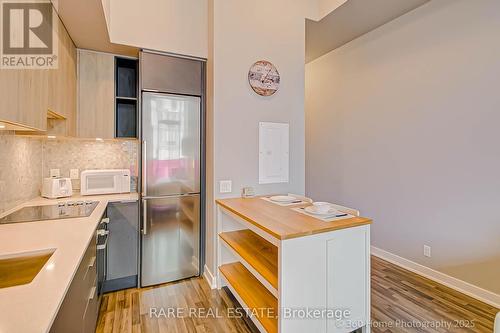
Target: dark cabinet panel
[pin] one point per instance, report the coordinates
(185, 76)
(80, 308)
(75, 309)
(122, 245)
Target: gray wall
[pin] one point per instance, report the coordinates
(403, 124)
(240, 33)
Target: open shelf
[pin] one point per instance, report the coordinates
(253, 294)
(126, 108)
(256, 251)
(126, 78)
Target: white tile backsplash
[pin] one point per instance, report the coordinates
(24, 161)
(20, 169)
(89, 154)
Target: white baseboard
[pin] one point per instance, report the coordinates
(444, 279)
(209, 277)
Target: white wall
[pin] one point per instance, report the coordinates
(242, 33)
(106, 8)
(403, 123)
(175, 26)
(325, 7)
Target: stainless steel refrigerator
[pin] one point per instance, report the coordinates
(171, 172)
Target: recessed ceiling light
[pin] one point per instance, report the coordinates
(2, 126)
(99, 139)
(51, 136)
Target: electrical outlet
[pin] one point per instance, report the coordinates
(427, 251)
(225, 186)
(55, 173)
(74, 174)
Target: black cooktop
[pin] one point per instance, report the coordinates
(63, 210)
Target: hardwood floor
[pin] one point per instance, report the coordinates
(402, 296)
(401, 302)
(139, 310)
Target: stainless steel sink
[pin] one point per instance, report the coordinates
(21, 268)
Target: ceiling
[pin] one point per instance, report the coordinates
(85, 22)
(351, 20)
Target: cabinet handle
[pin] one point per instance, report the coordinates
(92, 292)
(92, 261)
(90, 265)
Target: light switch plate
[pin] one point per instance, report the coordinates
(74, 174)
(225, 186)
(55, 173)
(427, 251)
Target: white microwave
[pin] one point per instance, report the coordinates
(111, 181)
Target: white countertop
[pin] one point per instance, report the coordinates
(31, 308)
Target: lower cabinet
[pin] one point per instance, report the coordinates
(79, 310)
(109, 263)
(123, 244)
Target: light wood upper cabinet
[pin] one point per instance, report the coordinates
(9, 94)
(27, 94)
(24, 97)
(96, 95)
(62, 87)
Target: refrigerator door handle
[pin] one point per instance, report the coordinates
(144, 168)
(144, 218)
(165, 223)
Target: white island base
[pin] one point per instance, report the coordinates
(293, 273)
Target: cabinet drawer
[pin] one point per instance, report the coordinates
(92, 310)
(87, 273)
(88, 263)
(70, 316)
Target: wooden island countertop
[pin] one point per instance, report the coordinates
(281, 221)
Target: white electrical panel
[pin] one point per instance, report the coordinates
(273, 153)
(225, 186)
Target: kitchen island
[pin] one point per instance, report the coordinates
(33, 307)
(293, 272)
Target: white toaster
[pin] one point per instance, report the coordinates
(53, 188)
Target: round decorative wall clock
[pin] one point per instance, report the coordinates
(264, 78)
